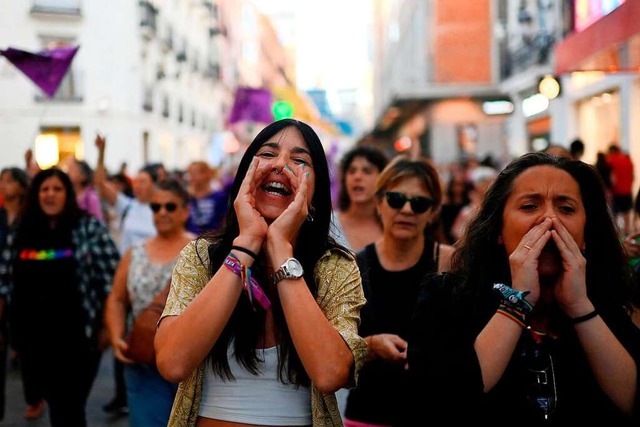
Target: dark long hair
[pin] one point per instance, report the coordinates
(370, 154)
(482, 260)
(34, 220)
(21, 177)
(246, 325)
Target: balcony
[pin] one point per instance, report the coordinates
(149, 15)
(58, 8)
(536, 51)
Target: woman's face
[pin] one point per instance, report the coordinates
(360, 180)
(403, 223)
(169, 213)
(143, 187)
(275, 192)
(538, 193)
(199, 175)
(52, 196)
(9, 187)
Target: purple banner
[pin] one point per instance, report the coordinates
(252, 105)
(46, 69)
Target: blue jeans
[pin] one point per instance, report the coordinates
(149, 396)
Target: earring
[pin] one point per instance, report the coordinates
(312, 212)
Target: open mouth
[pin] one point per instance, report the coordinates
(550, 261)
(276, 188)
(551, 247)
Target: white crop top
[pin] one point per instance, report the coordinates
(255, 399)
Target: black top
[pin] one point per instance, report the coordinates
(46, 306)
(446, 376)
(391, 295)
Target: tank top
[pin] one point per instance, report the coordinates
(145, 279)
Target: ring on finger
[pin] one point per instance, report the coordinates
(527, 247)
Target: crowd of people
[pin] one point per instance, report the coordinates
(489, 293)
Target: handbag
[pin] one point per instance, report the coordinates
(143, 330)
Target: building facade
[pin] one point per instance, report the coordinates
(155, 77)
(439, 62)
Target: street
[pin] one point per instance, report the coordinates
(102, 392)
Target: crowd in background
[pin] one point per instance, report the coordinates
(105, 232)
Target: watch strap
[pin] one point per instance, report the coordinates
(278, 276)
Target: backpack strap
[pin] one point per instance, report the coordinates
(124, 214)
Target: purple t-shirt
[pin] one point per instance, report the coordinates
(208, 212)
(89, 201)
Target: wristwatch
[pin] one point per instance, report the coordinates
(291, 269)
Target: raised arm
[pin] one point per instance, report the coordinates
(107, 190)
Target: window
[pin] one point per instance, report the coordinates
(69, 89)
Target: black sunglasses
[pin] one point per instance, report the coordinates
(170, 207)
(419, 204)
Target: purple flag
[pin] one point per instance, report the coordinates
(46, 69)
(252, 105)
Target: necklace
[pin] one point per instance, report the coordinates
(541, 387)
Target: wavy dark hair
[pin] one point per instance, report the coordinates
(246, 325)
(482, 260)
(370, 154)
(19, 176)
(34, 220)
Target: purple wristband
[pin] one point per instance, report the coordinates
(234, 266)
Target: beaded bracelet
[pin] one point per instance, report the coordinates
(517, 316)
(251, 285)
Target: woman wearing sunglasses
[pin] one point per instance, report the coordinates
(408, 198)
(144, 270)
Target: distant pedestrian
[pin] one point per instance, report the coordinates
(144, 271)
(622, 176)
(60, 270)
(208, 205)
(408, 195)
(14, 185)
(136, 225)
(81, 175)
(576, 148)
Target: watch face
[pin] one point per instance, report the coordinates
(294, 267)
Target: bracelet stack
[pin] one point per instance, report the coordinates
(513, 304)
(251, 286)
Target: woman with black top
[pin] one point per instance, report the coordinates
(408, 198)
(14, 183)
(531, 325)
(61, 269)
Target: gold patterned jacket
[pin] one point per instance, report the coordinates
(340, 297)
